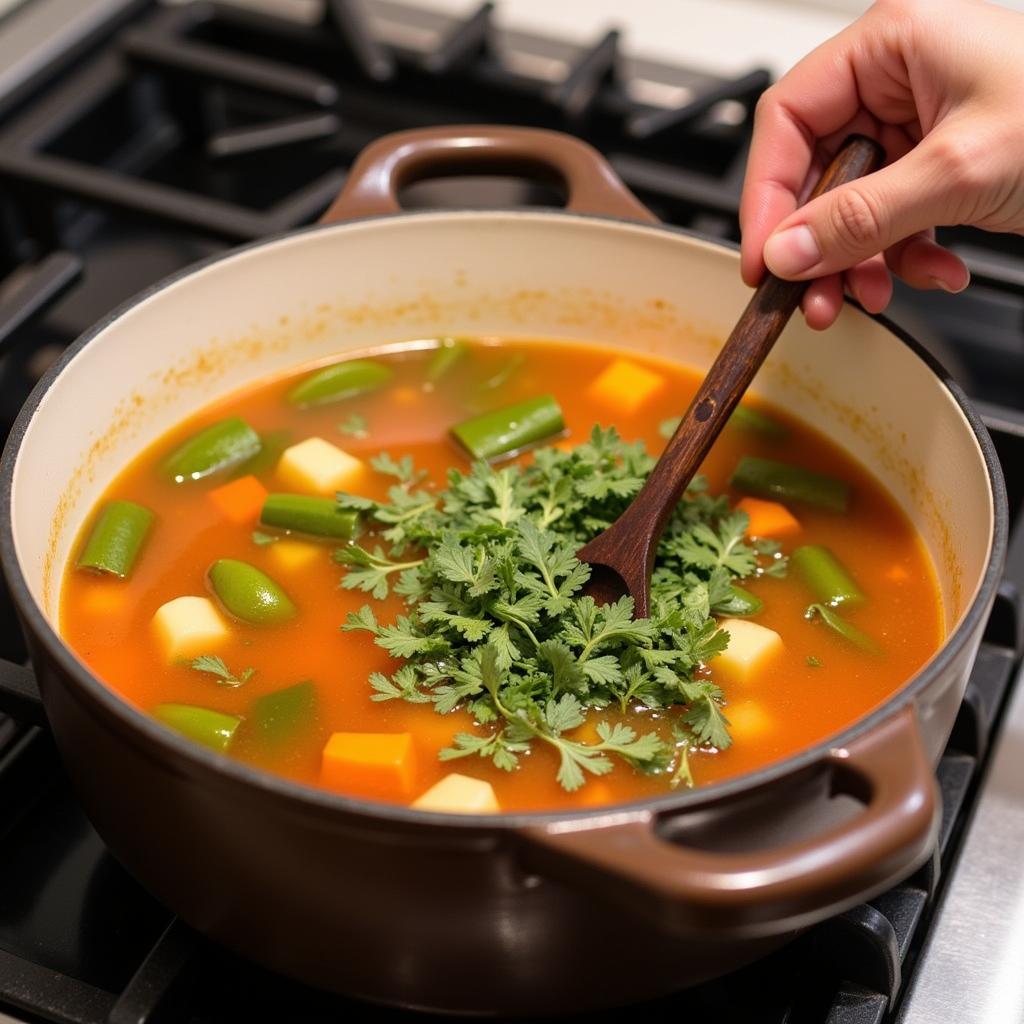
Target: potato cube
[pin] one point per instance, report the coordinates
(625, 386)
(369, 763)
(459, 794)
(294, 555)
(751, 648)
(188, 626)
(317, 465)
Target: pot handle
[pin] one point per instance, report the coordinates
(685, 890)
(19, 693)
(397, 160)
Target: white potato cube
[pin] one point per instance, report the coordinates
(751, 647)
(317, 465)
(294, 555)
(459, 794)
(188, 626)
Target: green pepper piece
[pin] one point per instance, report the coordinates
(213, 729)
(511, 428)
(116, 538)
(279, 717)
(248, 594)
(826, 576)
(303, 513)
(341, 380)
(784, 482)
(217, 447)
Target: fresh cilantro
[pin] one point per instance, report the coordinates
(215, 666)
(355, 426)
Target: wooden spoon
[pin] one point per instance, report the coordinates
(622, 557)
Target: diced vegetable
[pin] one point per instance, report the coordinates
(446, 357)
(272, 443)
(116, 538)
(739, 602)
(373, 763)
(213, 729)
(224, 444)
(459, 794)
(755, 422)
(826, 576)
(770, 479)
(303, 513)
(511, 428)
(751, 648)
(768, 519)
(847, 630)
(248, 594)
(342, 380)
(596, 793)
(625, 386)
(748, 721)
(293, 555)
(280, 717)
(319, 466)
(239, 501)
(187, 626)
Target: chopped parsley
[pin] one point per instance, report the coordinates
(355, 426)
(215, 666)
(496, 622)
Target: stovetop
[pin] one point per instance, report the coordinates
(135, 139)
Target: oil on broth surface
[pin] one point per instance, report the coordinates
(816, 687)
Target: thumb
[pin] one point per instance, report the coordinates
(842, 228)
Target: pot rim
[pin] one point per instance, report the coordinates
(170, 744)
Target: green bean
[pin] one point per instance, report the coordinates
(738, 602)
(756, 422)
(342, 380)
(224, 444)
(826, 576)
(845, 629)
(213, 729)
(446, 357)
(116, 538)
(279, 717)
(272, 443)
(304, 513)
(249, 594)
(780, 480)
(511, 428)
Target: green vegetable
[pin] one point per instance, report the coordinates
(261, 539)
(826, 577)
(342, 380)
(511, 428)
(847, 630)
(116, 538)
(738, 602)
(755, 422)
(249, 594)
(215, 666)
(355, 426)
(782, 481)
(272, 444)
(225, 444)
(279, 717)
(495, 622)
(213, 729)
(303, 513)
(446, 357)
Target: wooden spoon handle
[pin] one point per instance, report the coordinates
(770, 307)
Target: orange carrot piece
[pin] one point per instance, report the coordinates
(241, 500)
(768, 518)
(370, 763)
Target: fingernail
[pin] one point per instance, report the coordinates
(791, 251)
(952, 289)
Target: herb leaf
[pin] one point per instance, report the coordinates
(215, 666)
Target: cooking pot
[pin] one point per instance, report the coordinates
(521, 913)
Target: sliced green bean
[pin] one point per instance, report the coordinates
(739, 602)
(845, 629)
(826, 576)
(272, 443)
(756, 422)
(217, 447)
(213, 729)
(342, 380)
(304, 513)
(248, 594)
(770, 479)
(116, 538)
(446, 357)
(511, 428)
(279, 717)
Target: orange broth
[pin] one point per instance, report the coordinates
(793, 704)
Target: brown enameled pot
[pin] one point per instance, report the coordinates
(522, 913)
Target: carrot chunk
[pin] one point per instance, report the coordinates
(768, 518)
(241, 500)
(369, 763)
(625, 386)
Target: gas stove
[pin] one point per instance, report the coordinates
(136, 138)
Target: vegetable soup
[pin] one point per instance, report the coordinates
(362, 576)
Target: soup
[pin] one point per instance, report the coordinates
(361, 576)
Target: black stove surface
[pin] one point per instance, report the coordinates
(171, 133)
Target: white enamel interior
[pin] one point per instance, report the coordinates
(536, 274)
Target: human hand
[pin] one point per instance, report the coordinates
(939, 84)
